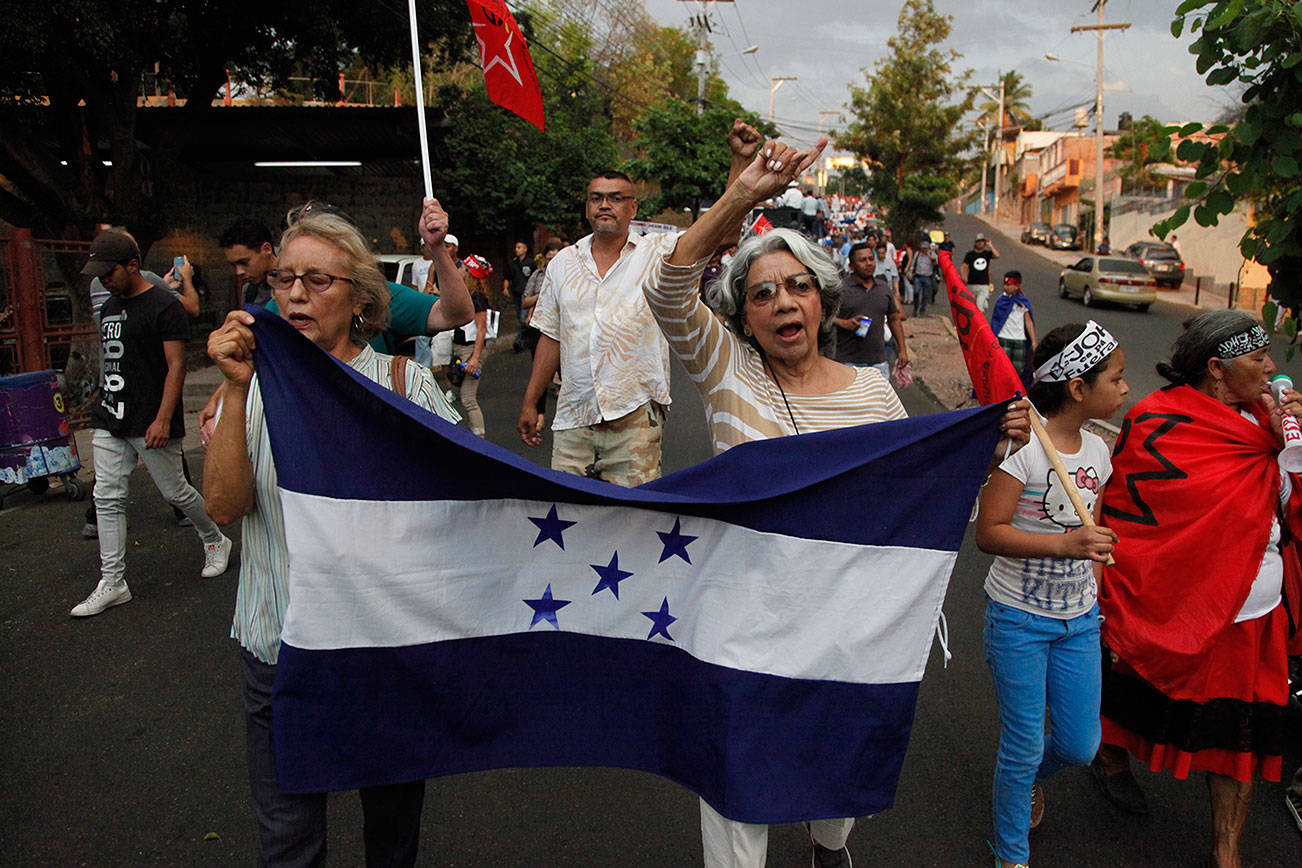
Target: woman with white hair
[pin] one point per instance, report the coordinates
(765, 372)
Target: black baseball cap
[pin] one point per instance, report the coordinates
(108, 250)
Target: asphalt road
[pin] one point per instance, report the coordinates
(123, 737)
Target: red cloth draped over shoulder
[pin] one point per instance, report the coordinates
(1194, 486)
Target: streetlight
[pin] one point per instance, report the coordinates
(775, 82)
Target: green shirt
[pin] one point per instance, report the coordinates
(408, 313)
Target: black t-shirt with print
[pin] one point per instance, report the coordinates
(978, 266)
(132, 332)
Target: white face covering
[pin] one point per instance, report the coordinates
(1088, 349)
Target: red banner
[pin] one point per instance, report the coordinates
(508, 69)
(993, 376)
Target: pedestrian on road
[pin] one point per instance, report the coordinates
(518, 271)
(922, 274)
(143, 330)
(1013, 324)
(327, 285)
(764, 374)
(597, 328)
(976, 270)
(465, 373)
(1196, 674)
(868, 307)
(1042, 617)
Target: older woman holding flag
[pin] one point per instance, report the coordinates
(1194, 610)
(327, 285)
(763, 373)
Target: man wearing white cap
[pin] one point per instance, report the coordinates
(976, 269)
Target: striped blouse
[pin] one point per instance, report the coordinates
(742, 400)
(263, 593)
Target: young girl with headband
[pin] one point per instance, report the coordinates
(1042, 627)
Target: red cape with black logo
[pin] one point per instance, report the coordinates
(1194, 487)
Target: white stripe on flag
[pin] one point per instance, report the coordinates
(385, 574)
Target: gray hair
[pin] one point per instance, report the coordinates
(727, 295)
(1200, 342)
(369, 285)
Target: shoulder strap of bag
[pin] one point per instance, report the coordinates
(398, 375)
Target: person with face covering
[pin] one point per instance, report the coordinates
(1197, 607)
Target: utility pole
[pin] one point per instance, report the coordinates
(985, 162)
(996, 145)
(701, 22)
(1098, 117)
(775, 82)
(822, 172)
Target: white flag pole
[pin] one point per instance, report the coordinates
(420, 101)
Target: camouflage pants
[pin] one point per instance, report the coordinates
(625, 451)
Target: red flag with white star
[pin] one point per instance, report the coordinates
(508, 69)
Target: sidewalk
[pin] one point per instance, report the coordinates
(1207, 299)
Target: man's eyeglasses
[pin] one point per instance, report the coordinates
(796, 285)
(281, 280)
(612, 198)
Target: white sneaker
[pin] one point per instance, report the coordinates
(103, 597)
(216, 557)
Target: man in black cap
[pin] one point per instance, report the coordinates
(143, 330)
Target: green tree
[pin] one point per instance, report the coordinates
(1140, 147)
(71, 72)
(685, 153)
(1017, 102)
(504, 175)
(1258, 45)
(907, 117)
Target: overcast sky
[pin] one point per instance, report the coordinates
(825, 43)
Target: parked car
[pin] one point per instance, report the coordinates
(1036, 233)
(398, 267)
(1064, 236)
(1162, 261)
(1108, 278)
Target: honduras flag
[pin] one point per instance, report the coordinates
(754, 628)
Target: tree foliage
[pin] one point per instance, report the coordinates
(1258, 45)
(71, 72)
(685, 153)
(1143, 145)
(1017, 101)
(500, 172)
(907, 116)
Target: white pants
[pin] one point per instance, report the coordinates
(115, 459)
(730, 844)
(980, 292)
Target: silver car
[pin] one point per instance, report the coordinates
(1108, 278)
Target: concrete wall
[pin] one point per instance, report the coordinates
(1210, 252)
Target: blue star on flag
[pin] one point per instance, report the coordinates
(660, 621)
(611, 576)
(550, 528)
(545, 609)
(675, 543)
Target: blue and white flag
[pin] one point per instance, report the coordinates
(754, 628)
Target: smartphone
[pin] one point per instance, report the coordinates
(176, 265)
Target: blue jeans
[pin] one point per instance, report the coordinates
(921, 292)
(1037, 660)
(422, 351)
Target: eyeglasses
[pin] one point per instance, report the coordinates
(281, 280)
(797, 286)
(612, 198)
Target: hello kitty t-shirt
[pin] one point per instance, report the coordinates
(1055, 587)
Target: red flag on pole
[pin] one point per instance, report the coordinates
(993, 376)
(508, 69)
(761, 225)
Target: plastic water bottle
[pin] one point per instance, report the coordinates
(1290, 457)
